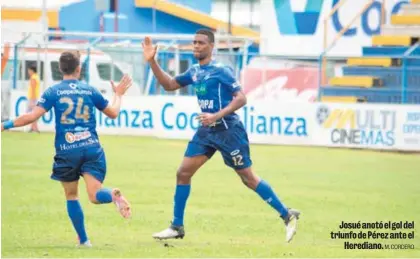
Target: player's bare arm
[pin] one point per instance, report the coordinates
(149, 51)
(239, 100)
(24, 119)
(113, 110)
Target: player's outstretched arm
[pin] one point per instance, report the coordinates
(24, 119)
(149, 51)
(113, 110)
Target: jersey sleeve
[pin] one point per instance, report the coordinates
(185, 78)
(48, 99)
(227, 79)
(99, 100)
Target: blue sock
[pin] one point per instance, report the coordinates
(104, 195)
(181, 195)
(266, 193)
(76, 215)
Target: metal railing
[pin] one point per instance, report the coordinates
(328, 47)
(405, 68)
(402, 79)
(253, 70)
(399, 84)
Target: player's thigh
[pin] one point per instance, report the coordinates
(71, 190)
(92, 186)
(190, 165)
(66, 167)
(199, 146)
(234, 147)
(94, 163)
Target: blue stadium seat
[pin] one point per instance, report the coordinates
(391, 76)
(384, 62)
(373, 95)
(388, 51)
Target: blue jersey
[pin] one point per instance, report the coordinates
(74, 106)
(214, 85)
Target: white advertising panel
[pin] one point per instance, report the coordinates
(296, 27)
(391, 127)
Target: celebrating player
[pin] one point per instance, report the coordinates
(78, 151)
(219, 96)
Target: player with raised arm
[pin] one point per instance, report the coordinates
(219, 96)
(78, 151)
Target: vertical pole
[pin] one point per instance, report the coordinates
(45, 25)
(383, 14)
(244, 61)
(154, 17)
(251, 11)
(101, 22)
(15, 66)
(404, 80)
(87, 64)
(177, 61)
(323, 64)
(230, 17)
(44, 19)
(264, 75)
(320, 74)
(116, 17)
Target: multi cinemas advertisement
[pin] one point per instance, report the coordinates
(367, 126)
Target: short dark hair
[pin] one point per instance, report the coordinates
(33, 67)
(206, 32)
(69, 61)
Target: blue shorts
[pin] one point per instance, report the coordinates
(69, 166)
(232, 143)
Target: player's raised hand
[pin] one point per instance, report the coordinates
(207, 119)
(122, 86)
(2, 127)
(149, 51)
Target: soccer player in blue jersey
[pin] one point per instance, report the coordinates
(78, 151)
(219, 96)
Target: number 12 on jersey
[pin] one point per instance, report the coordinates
(237, 160)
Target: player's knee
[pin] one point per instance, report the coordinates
(92, 198)
(245, 180)
(183, 175)
(71, 194)
(249, 180)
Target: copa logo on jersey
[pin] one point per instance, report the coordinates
(364, 127)
(77, 136)
(411, 128)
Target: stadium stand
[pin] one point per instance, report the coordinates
(378, 76)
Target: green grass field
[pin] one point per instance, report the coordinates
(223, 218)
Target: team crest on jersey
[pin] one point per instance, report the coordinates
(73, 86)
(200, 89)
(194, 78)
